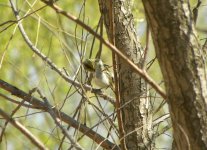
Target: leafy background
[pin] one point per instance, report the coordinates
(66, 44)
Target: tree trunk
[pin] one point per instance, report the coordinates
(183, 68)
(137, 120)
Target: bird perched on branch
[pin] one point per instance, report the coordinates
(102, 78)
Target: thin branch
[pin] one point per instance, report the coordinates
(63, 138)
(204, 48)
(54, 116)
(161, 119)
(7, 45)
(105, 143)
(17, 102)
(93, 41)
(116, 75)
(160, 106)
(23, 130)
(146, 47)
(42, 56)
(155, 123)
(12, 22)
(163, 130)
(12, 114)
(53, 66)
(195, 11)
(203, 30)
(141, 72)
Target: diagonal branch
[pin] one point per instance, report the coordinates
(54, 116)
(53, 66)
(105, 143)
(23, 130)
(141, 72)
(12, 114)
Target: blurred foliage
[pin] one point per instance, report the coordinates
(66, 44)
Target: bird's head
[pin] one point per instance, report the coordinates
(89, 65)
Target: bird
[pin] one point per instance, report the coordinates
(102, 78)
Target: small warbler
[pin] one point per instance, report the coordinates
(102, 78)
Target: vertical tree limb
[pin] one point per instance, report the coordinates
(183, 67)
(134, 115)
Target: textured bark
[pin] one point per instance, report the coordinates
(136, 119)
(183, 68)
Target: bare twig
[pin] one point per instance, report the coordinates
(163, 130)
(195, 11)
(23, 130)
(161, 119)
(42, 56)
(116, 75)
(52, 65)
(7, 45)
(146, 47)
(55, 118)
(203, 30)
(141, 72)
(98, 54)
(12, 114)
(204, 48)
(62, 116)
(17, 102)
(186, 137)
(12, 22)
